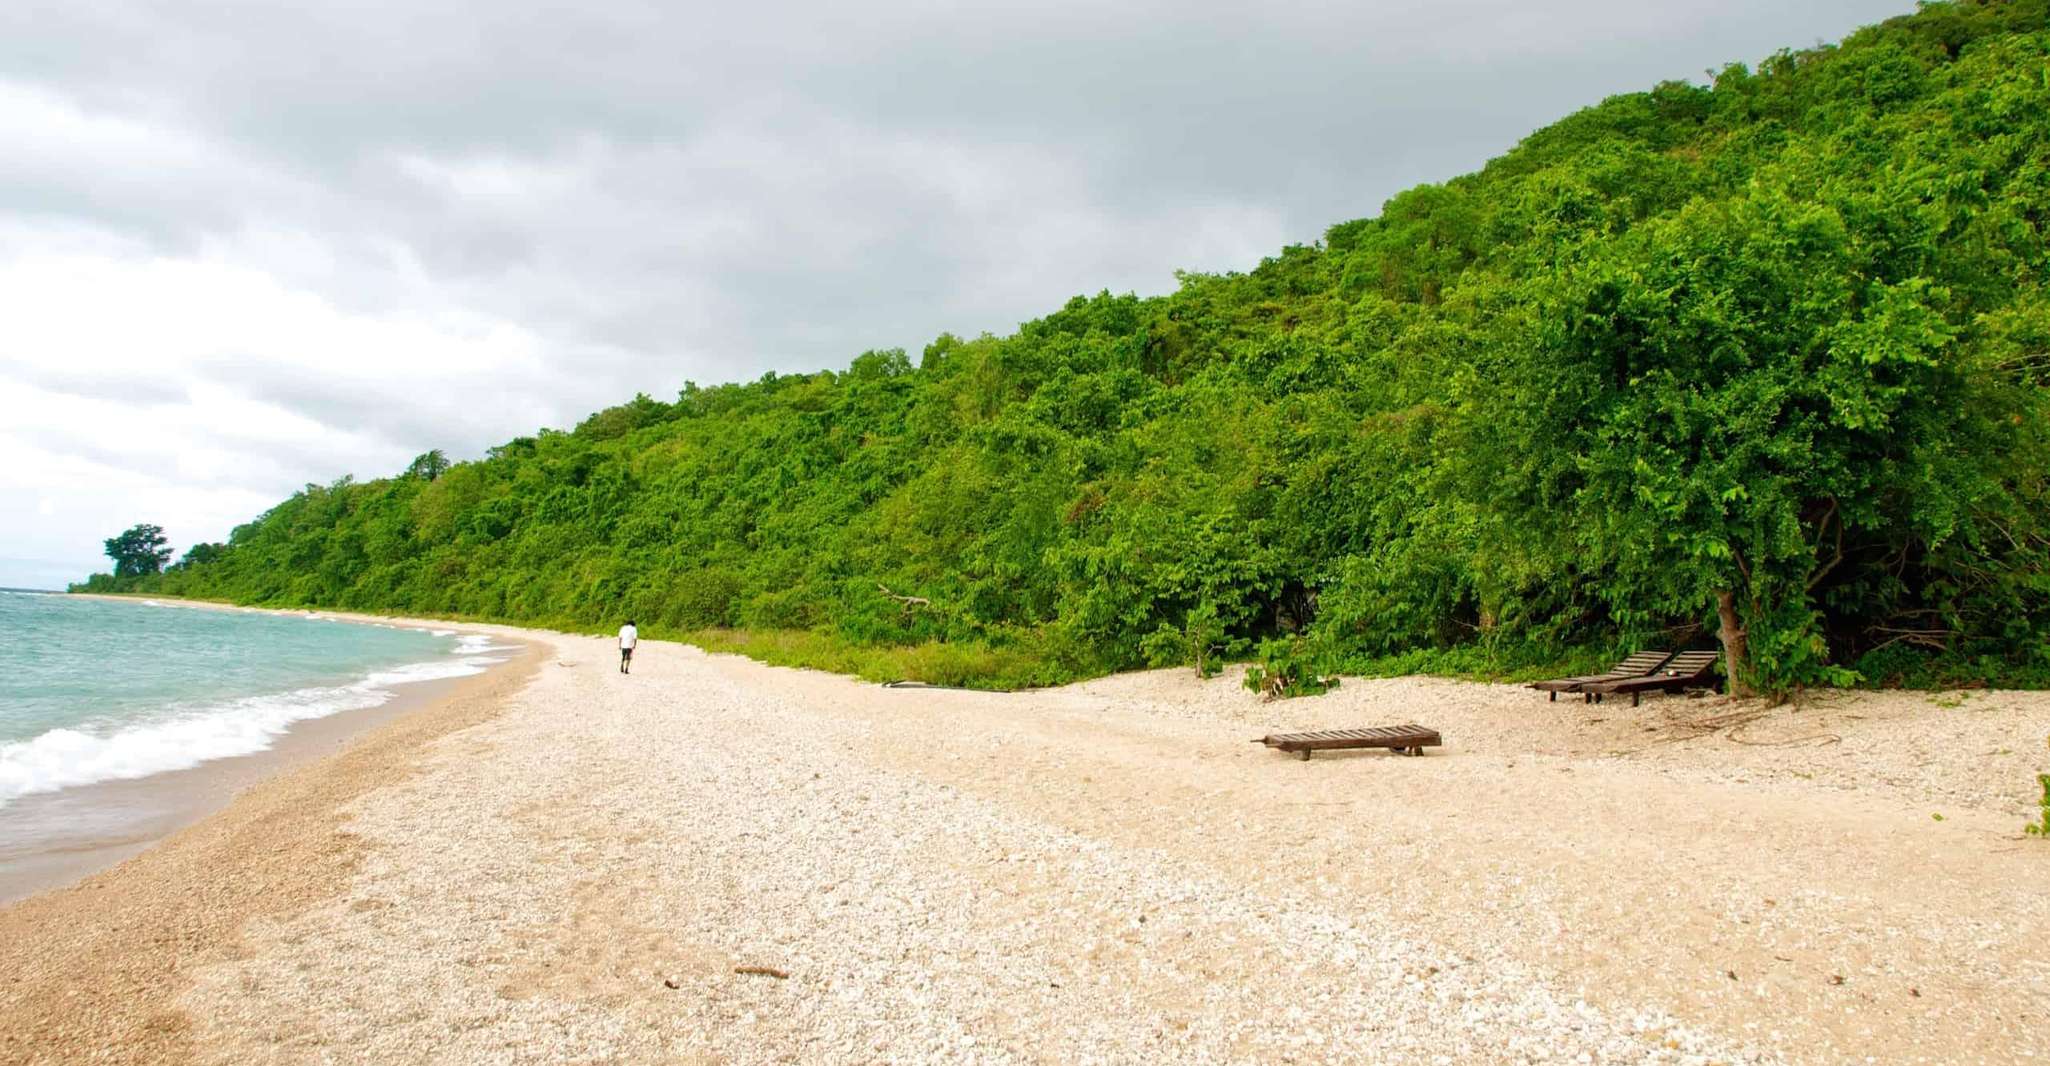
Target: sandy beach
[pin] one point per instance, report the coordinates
(717, 861)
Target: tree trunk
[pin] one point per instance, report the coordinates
(1731, 631)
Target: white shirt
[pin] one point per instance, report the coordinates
(629, 636)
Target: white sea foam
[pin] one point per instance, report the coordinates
(435, 670)
(63, 758)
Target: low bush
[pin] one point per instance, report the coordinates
(1288, 668)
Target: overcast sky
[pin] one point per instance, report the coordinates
(245, 245)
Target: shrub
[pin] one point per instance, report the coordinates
(1288, 668)
(2041, 827)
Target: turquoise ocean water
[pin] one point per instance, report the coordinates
(92, 690)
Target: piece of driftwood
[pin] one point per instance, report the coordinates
(763, 971)
(1402, 739)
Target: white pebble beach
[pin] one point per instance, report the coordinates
(561, 863)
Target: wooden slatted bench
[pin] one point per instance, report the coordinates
(1401, 739)
(1689, 669)
(1642, 664)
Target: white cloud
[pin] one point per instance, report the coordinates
(196, 393)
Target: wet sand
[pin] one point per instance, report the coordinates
(51, 839)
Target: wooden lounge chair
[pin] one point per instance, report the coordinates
(1689, 669)
(1402, 739)
(1642, 664)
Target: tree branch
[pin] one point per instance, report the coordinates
(1927, 638)
(910, 602)
(1816, 578)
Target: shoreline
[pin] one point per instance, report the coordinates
(559, 863)
(153, 807)
(56, 838)
(99, 960)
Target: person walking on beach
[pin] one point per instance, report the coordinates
(628, 637)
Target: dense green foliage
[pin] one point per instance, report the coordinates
(1775, 348)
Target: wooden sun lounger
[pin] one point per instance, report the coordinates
(1642, 664)
(1689, 669)
(1402, 739)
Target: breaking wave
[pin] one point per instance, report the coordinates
(187, 737)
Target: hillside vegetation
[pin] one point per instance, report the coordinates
(1765, 360)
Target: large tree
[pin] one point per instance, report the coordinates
(141, 550)
(1741, 413)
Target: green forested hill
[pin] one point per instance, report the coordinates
(1765, 357)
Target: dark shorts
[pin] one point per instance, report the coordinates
(626, 653)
